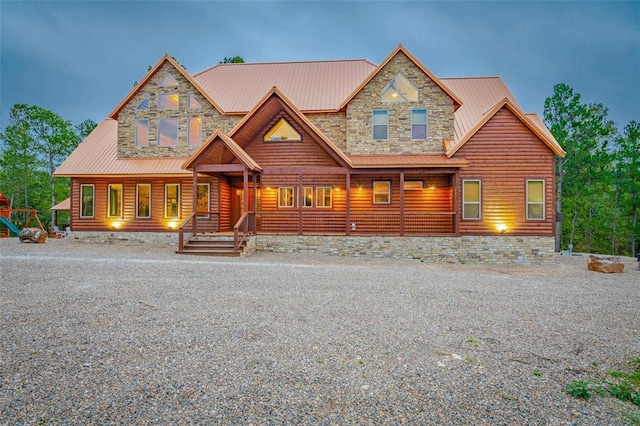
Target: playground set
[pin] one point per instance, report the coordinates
(7, 227)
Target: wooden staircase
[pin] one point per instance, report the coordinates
(211, 244)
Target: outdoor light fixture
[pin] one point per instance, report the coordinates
(502, 228)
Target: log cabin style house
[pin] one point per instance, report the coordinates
(340, 157)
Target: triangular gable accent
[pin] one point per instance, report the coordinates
(457, 102)
(275, 91)
(546, 139)
(237, 151)
(168, 81)
(151, 73)
(282, 131)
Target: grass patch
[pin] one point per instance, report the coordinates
(624, 385)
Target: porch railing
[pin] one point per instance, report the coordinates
(246, 224)
(195, 223)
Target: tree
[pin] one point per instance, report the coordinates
(83, 129)
(584, 131)
(627, 165)
(232, 60)
(33, 145)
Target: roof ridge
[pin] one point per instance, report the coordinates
(284, 63)
(477, 77)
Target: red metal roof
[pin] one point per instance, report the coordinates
(97, 155)
(311, 86)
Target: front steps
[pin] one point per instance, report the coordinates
(208, 244)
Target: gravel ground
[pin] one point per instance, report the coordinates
(126, 334)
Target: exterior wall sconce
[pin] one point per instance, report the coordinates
(502, 228)
(172, 225)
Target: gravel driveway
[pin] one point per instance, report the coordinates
(124, 334)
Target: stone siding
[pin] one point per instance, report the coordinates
(431, 97)
(97, 237)
(211, 119)
(333, 125)
(484, 249)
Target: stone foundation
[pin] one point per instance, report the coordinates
(467, 249)
(486, 249)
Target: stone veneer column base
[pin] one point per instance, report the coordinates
(485, 249)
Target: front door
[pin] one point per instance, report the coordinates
(237, 205)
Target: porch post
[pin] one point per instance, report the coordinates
(300, 198)
(245, 175)
(347, 190)
(456, 205)
(401, 203)
(195, 200)
(254, 178)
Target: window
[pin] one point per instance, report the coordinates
(413, 185)
(471, 206)
(285, 196)
(193, 102)
(172, 200)
(194, 135)
(115, 200)
(381, 192)
(168, 101)
(380, 124)
(283, 131)
(323, 197)
(142, 132)
(418, 124)
(167, 132)
(143, 200)
(86, 200)
(535, 199)
(308, 197)
(168, 81)
(203, 200)
(144, 104)
(399, 90)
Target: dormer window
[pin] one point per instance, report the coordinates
(399, 89)
(168, 81)
(283, 131)
(144, 104)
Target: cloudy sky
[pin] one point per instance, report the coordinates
(80, 58)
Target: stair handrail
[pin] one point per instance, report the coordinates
(242, 222)
(181, 230)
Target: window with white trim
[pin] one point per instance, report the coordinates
(381, 192)
(399, 89)
(168, 81)
(144, 104)
(413, 185)
(282, 131)
(380, 122)
(307, 200)
(418, 124)
(535, 199)
(285, 196)
(167, 132)
(471, 199)
(142, 132)
(323, 196)
(193, 102)
(203, 202)
(172, 200)
(87, 201)
(143, 201)
(115, 200)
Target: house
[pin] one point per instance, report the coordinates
(341, 157)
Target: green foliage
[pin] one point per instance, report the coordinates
(34, 144)
(579, 389)
(625, 387)
(595, 187)
(232, 60)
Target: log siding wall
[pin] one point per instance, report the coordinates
(503, 155)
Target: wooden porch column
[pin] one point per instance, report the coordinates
(454, 194)
(347, 190)
(245, 201)
(195, 200)
(254, 225)
(401, 203)
(300, 198)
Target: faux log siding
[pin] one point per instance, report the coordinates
(304, 153)
(504, 154)
(157, 222)
(225, 205)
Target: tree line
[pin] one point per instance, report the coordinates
(32, 146)
(597, 183)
